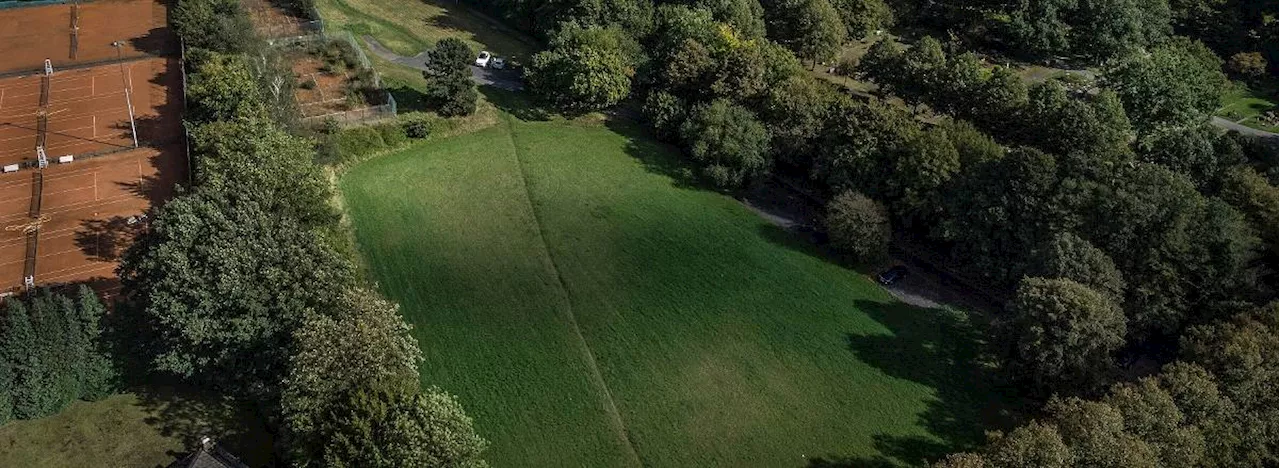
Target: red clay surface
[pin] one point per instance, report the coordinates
(88, 204)
(29, 35)
(88, 112)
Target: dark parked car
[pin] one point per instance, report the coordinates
(892, 275)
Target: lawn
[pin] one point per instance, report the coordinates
(412, 26)
(1245, 105)
(152, 428)
(592, 308)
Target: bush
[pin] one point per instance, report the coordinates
(393, 134)
(360, 141)
(665, 112)
(1249, 65)
(417, 126)
(858, 226)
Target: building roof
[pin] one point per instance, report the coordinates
(209, 455)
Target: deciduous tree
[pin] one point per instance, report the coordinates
(1060, 335)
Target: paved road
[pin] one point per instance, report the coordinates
(507, 79)
(1229, 125)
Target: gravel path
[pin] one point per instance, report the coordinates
(507, 79)
(1229, 125)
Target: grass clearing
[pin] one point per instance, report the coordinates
(412, 26)
(133, 430)
(721, 340)
(1246, 106)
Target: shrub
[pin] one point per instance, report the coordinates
(858, 226)
(393, 134)
(417, 126)
(1249, 65)
(360, 141)
(665, 112)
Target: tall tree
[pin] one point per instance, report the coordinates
(20, 346)
(1177, 84)
(728, 142)
(383, 429)
(448, 75)
(365, 343)
(1070, 257)
(864, 17)
(584, 69)
(858, 226)
(220, 285)
(1061, 335)
(812, 29)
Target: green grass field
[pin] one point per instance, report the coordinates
(592, 309)
(153, 428)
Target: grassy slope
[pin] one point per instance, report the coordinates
(131, 430)
(723, 341)
(448, 232)
(411, 26)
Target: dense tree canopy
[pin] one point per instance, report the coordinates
(585, 68)
(1175, 85)
(1061, 334)
(222, 283)
(858, 226)
(728, 142)
(812, 29)
(382, 429)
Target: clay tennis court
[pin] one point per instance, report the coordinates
(88, 112)
(32, 34)
(88, 210)
(87, 205)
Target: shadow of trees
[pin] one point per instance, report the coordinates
(945, 350)
(106, 239)
(520, 105)
(189, 414)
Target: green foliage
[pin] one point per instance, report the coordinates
(51, 354)
(263, 162)
(812, 29)
(1069, 257)
(1246, 190)
(585, 69)
(382, 429)
(1060, 335)
(1108, 28)
(221, 283)
(416, 126)
(666, 113)
(746, 16)
(363, 344)
(1001, 211)
(796, 113)
(1030, 446)
(223, 87)
(864, 17)
(449, 84)
(217, 25)
(920, 167)
(1192, 151)
(1177, 84)
(858, 226)
(859, 141)
(728, 142)
(1250, 65)
(393, 134)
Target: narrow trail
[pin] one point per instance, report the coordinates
(597, 378)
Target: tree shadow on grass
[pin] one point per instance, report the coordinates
(946, 351)
(189, 414)
(518, 104)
